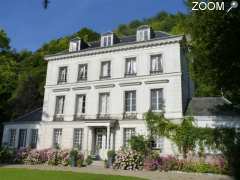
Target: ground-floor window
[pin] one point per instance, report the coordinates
(158, 143)
(57, 138)
(12, 137)
(127, 135)
(77, 138)
(33, 138)
(22, 138)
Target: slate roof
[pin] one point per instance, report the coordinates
(211, 106)
(34, 116)
(121, 41)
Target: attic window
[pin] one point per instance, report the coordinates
(107, 40)
(75, 45)
(143, 33)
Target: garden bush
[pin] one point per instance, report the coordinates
(6, 155)
(128, 160)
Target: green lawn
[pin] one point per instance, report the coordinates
(27, 174)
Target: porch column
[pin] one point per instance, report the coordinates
(108, 137)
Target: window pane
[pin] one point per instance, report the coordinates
(59, 109)
(130, 101)
(156, 63)
(82, 72)
(80, 104)
(62, 77)
(128, 133)
(34, 138)
(12, 137)
(104, 103)
(156, 99)
(77, 138)
(22, 138)
(57, 138)
(105, 69)
(131, 66)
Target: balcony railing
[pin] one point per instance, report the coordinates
(130, 74)
(79, 117)
(129, 115)
(156, 72)
(103, 116)
(58, 117)
(105, 77)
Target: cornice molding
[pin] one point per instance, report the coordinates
(130, 84)
(124, 47)
(156, 81)
(81, 88)
(104, 86)
(61, 90)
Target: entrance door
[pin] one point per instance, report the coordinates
(100, 143)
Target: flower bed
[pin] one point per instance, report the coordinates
(28, 156)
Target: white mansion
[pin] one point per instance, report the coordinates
(96, 94)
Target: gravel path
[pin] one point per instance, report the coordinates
(154, 175)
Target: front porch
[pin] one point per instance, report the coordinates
(100, 138)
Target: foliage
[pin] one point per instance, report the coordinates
(140, 144)
(6, 155)
(214, 46)
(4, 41)
(128, 160)
(88, 160)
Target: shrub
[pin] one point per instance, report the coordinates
(6, 155)
(139, 144)
(88, 160)
(128, 160)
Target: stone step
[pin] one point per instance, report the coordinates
(97, 164)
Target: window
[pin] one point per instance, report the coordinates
(105, 69)
(158, 143)
(62, 76)
(99, 141)
(22, 138)
(107, 40)
(103, 103)
(57, 138)
(128, 133)
(130, 101)
(82, 72)
(74, 46)
(143, 35)
(34, 138)
(130, 68)
(156, 64)
(12, 137)
(80, 104)
(157, 99)
(77, 138)
(59, 109)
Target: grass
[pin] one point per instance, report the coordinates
(30, 174)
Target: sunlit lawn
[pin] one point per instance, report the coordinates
(30, 174)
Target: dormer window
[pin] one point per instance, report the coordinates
(77, 44)
(143, 33)
(107, 40)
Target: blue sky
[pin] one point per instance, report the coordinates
(28, 25)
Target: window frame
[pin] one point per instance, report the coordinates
(125, 139)
(83, 105)
(100, 105)
(108, 70)
(77, 143)
(60, 134)
(160, 70)
(128, 60)
(59, 80)
(159, 103)
(131, 102)
(86, 72)
(33, 140)
(56, 104)
(12, 139)
(22, 143)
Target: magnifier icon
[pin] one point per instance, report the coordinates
(234, 4)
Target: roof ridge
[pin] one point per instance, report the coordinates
(27, 114)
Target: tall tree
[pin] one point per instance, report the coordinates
(215, 52)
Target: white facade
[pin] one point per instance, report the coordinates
(101, 132)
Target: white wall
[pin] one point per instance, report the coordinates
(172, 89)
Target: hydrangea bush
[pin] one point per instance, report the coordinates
(128, 160)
